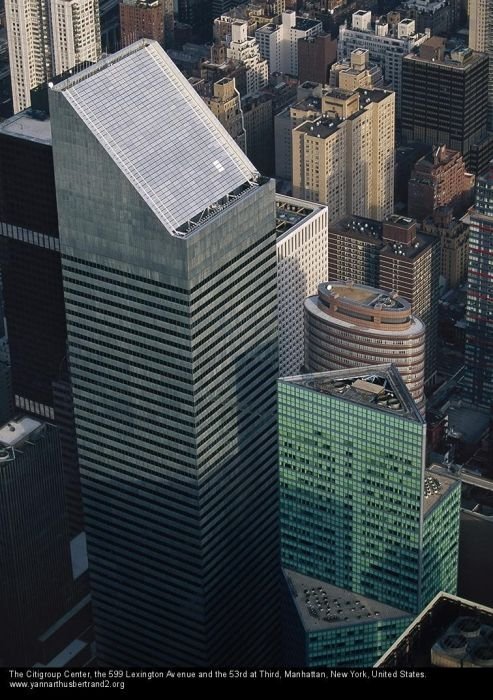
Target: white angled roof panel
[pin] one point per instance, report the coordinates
(159, 132)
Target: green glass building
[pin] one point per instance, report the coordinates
(359, 512)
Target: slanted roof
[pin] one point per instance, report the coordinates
(159, 132)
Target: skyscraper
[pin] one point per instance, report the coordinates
(169, 261)
(345, 158)
(444, 100)
(47, 37)
(481, 39)
(358, 514)
(36, 577)
(479, 307)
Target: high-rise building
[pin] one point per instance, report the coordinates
(32, 285)
(393, 256)
(409, 263)
(360, 513)
(279, 42)
(75, 33)
(444, 100)
(345, 159)
(141, 19)
(351, 325)
(479, 308)
(170, 279)
(439, 179)
(46, 38)
(36, 570)
(315, 56)
(387, 44)
(225, 105)
(481, 39)
(246, 50)
(304, 107)
(301, 229)
(357, 72)
(30, 260)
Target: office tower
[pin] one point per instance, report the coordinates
(453, 235)
(351, 325)
(391, 255)
(279, 42)
(481, 39)
(409, 264)
(246, 50)
(479, 306)
(30, 260)
(225, 105)
(451, 632)
(315, 56)
(259, 130)
(36, 571)
(345, 159)
(141, 19)
(444, 100)
(301, 229)
(357, 72)
(439, 179)
(387, 44)
(169, 261)
(360, 513)
(46, 38)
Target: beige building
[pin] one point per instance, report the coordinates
(481, 39)
(246, 50)
(358, 72)
(345, 159)
(350, 325)
(47, 37)
(225, 104)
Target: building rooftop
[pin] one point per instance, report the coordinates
(422, 243)
(291, 212)
(457, 59)
(324, 606)
(358, 227)
(365, 304)
(161, 134)
(436, 487)
(303, 24)
(379, 387)
(30, 124)
(365, 296)
(451, 632)
(322, 127)
(17, 431)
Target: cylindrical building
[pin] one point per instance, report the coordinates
(349, 325)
